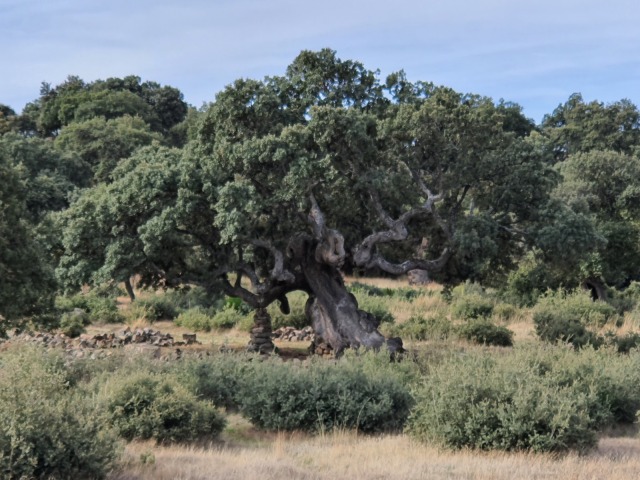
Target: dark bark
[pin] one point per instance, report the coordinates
(129, 289)
(596, 288)
(332, 310)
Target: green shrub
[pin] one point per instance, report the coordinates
(147, 406)
(580, 306)
(195, 319)
(609, 380)
(296, 317)
(504, 311)
(472, 306)
(376, 306)
(417, 327)
(560, 326)
(486, 332)
(159, 307)
(216, 378)
(238, 305)
(626, 343)
(369, 290)
(100, 309)
(49, 428)
(319, 396)
(193, 297)
(72, 324)
(227, 318)
(503, 403)
(564, 317)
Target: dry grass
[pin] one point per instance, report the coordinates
(345, 455)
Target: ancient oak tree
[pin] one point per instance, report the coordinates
(290, 180)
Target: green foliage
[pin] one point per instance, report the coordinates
(227, 318)
(296, 317)
(98, 308)
(485, 332)
(418, 327)
(361, 289)
(563, 327)
(604, 185)
(27, 284)
(50, 428)
(195, 319)
(472, 307)
(146, 406)
(159, 307)
(564, 317)
(192, 297)
(72, 324)
(504, 403)
(102, 143)
(318, 397)
(376, 306)
(627, 342)
(216, 378)
(237, 304)
(505, 311)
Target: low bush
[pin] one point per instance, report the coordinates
(227, 318)
(505, 312)
(403, 293)
(147, 406)
(216, 378)
(579, 305)
(469, 301)
(159, 307)
(49, 428)
(557, 326)
(418, 327)
(99, 309)
(487, 333)
(195, 319)
(565, 317)
(193, 297)
(501, 403)
(296, 317)
(624, 344)
(320, 396)
(74, 323)
(238, 305)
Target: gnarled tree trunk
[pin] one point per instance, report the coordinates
(331, 309)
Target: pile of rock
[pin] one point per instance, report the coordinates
(261, 332)
(320, 347)
(292, 334)
(146, 336)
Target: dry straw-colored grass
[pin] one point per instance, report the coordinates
(349, 456)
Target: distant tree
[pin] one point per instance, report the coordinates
(26, 284)
(77, 101)
(102, 143)
(49, 176)
(291, 178)
(605, 186)
(577, 126)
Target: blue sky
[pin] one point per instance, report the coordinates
(532, 53)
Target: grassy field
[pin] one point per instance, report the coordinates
(347, 455)
(243, 451)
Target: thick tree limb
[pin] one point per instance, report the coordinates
(365, 254)
(279, 273)
(330, 249)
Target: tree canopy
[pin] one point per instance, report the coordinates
(283, 183)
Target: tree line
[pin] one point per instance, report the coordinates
(290, 180)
